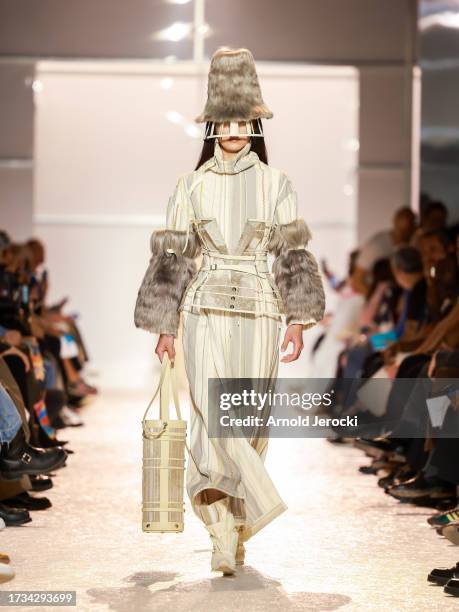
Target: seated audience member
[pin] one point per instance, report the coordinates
(55, 324)
(344, 323)
(416, 453)
(335, 283)
(34, 350)
(382, 245)
(433, 218)
(405, 320)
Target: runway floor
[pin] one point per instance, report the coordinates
(342, 544)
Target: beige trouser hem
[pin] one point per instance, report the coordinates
(248, 532)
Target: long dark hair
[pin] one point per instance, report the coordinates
(257, 145)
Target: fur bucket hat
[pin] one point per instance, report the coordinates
(233, 90)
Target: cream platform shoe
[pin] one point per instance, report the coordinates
(224, 537)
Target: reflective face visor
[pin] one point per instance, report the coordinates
(238, 129)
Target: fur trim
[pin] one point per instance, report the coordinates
(296, 273)
(162, 240)
(233, 90)
(289, 236)
(164, 283)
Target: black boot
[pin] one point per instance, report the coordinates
(14, 516)
(44, 441)
(27, 501)
(40, 483)
(20, 458)
(442, 575)
(452, 587)
(38, 436)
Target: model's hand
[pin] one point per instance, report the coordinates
(165, 345)
(293, 334)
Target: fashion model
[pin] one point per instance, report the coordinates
(234, 209)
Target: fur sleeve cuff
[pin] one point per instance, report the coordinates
(289, 236)
(168, 274)
(296, 274)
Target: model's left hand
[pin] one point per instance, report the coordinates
(293, 334)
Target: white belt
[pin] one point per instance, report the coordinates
(250, 264)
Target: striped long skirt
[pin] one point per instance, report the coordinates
(230, 345)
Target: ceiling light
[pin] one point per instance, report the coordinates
(174, 33)
(447, 19)
(37, 86)
(193, 130)
(353, 144)
(174, 116)
(166, 83)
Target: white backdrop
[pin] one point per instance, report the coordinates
(111, 140)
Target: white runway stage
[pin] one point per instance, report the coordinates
(342, 545)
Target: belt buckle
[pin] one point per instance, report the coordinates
(26, 457)
(213, 266)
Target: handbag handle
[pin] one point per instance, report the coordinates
(167, 380)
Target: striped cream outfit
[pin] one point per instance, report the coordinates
(234, 213)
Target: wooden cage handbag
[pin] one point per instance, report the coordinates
(163, 465)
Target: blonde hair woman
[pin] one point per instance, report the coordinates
(233, 209)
